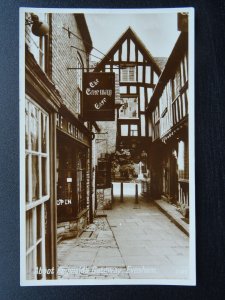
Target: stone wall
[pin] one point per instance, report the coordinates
(72, 229)
(104, 199)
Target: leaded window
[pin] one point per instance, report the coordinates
(128, 74)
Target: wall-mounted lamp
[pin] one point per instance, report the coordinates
(38, 28)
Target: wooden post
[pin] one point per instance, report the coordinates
(121, 192)
(136, 193)
(112, 197)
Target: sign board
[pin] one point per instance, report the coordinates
(99, 96)
(67, 126)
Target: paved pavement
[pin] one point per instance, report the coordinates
(134, 241)
(173, 214)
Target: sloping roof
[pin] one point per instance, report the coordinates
(173, 61)
(129, 33)
(161, 61)
(82, 24)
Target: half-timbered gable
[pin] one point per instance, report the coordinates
(137, 73)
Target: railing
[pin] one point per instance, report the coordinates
(183, 192)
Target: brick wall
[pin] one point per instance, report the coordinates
(63, 57)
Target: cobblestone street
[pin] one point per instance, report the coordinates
(134, 241)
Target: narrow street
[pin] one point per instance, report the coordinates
(105, 160)
(134, 240)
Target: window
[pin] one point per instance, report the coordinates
(133, 130)
(124, 130)
(142, 99)
(129, 108)
(123, 89)
(79, 83)
(180, 159)
(143, 126)
(133, 89)
(163, 102)
(128, 74)
(155, 115)
(37, 187)
(129, 130)
(38, 45)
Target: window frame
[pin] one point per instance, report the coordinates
(40, 45)
(35, 246)
(129, 130)
(128, 74)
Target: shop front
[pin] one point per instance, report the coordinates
(38, 207)
(73, 176)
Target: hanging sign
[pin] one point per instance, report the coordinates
(99, 96)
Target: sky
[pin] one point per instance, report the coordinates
(158, 31)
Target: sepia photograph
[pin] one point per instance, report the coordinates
(107, 158)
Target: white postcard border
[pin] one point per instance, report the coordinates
(192, 250)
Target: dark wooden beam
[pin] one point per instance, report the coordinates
(143, 73)
(120, 54)
(128, 49)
